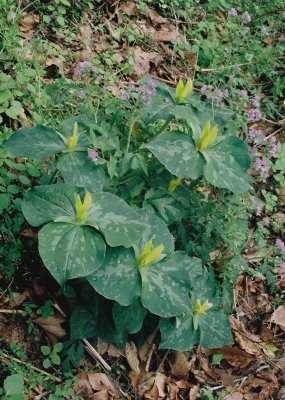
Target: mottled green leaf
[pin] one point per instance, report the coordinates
(46, 203)
(166, 284)
(215, 329)
(236, 148)
(78, 170)
(129, 319)
(36, 142)
(70, 251)
(177, 152)
(120, 224)
(82, 323)
(223, 171)
(178, 333)
(118, 278)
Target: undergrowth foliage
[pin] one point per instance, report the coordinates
(116, 212)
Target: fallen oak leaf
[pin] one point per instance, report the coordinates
(132, 357)
(278, 316)
(52, 325)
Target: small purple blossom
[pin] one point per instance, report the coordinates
(125, 95)
(254, 115)
(273, 147)
(99, 78)
(281, 245)
(151, 82)
(81, 94)
(250, 244)
(132, 87)
(266, 221)
(81, 67)
(166, 100)
(246, 17)
(259, 208)
(256, 100)
(244, 92)
(263, 168)
(253, 153)
(256, 136)
(264, 31)
(233, 12)
(93, 155)
(281, 264)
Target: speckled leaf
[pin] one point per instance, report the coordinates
(166, 284)
(178, 333)
(177, 152)
(36, 142)
(236, 148)
(82, 323)
(215, 329)
(46, 203)
(120, 224)
(158, 232)
(223, 171)
(70, 251)
(78, 170)
(118, 278)
(129, 319)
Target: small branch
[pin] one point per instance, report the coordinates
(8, 311)
(233, 65)
(94, 353)
(7, 357)
(5, 291)
(274, 133)
(282, 122)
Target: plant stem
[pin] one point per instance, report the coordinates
(130, 134)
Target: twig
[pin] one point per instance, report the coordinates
(232, 66)
(274, 133)
(7, 357)
(8, 311)
(5, 291)
(274, 122)
(95, 354)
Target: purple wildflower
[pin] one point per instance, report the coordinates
(273, 147)
(281, 264)
(125, 95)
(244, 93)
(256, 100)
(81, 67)
(151, 82)
(253, 153)
(264, 31)
(263, 168)
(254, 115)
(246, 17)
(266, 221)
(259, 208)
(233, 12)
(250, 244)
(132, 87)
(166, 100)
(81, 94)
(281, 245)
(99, 78)
(256, 136)
(93, 155)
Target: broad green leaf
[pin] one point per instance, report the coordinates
(223, 171)
(78, 170)
(215, 329)
(36, 142)
(118, 278)
(82, 323)
(70, 251)
(236, 148)
(120, 224)
(46, 203)
(178, 333)
(14, 385)
(129, 319)
(166, 284)
(177, 152)
(14, 110)
(84, 123)
(158, 233)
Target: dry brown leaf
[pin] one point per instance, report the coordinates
(260, 388)
(179, 364)
(235, 396)
(102, 395)
(190, 57)
(172, 391)
(165, 35)
(142, 62)
(278, 317)
(193, 392)
(236, 357)
(146, 347)
(129, 8)
(158, 389)
(246, 340)
(28, 22)
(132, 357)
(19, 298)
(156, 18)
(101, 382)
(82, 386)
(109, 348)
(52, 325)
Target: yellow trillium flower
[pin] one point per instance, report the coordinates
(73, 140)
(148, 255)
(173, 184)
(182, 90)
(208, 136)
(82, 208)
(201, 308)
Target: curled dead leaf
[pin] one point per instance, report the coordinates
(156, 18)
(132, 357)
(179, 364)
(278, 317)
(52, 325)
(142, 61)
(28, 22)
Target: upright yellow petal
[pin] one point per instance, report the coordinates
(208, 136)
(173, 184)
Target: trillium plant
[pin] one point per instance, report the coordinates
(102, 226)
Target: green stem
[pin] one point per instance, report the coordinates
(130, 134)
(53, 176)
